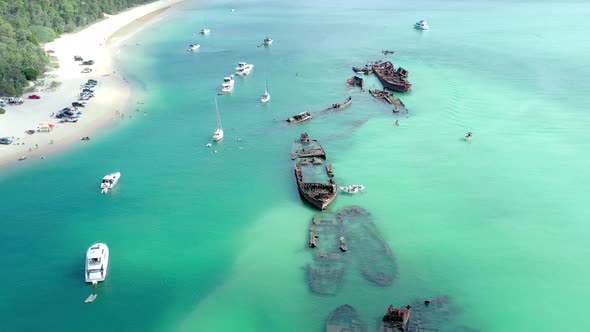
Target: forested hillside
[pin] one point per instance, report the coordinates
(26, 23)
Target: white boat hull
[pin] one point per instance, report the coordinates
(265, 98)
(109, 181)
(96, 271)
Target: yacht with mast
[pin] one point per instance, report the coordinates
(265, 98)
(218, 133)
(97, 262)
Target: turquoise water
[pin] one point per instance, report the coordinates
(218, 242)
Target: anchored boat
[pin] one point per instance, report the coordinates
(353, 188)
(109, 181)
(244, 69)
(97, 263)
(228, 84)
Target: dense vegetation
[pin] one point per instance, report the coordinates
(26, 23)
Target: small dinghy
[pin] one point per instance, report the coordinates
(90, 298)
(468, 136)
(353, 188)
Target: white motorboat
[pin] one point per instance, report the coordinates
(228, 84)
(218, 133)
(205, 31)
(109, 181)
(421, 25)
(267, 41)
(265, 98)
(97, 262)
(194, 47)
(468, 136)
(244, 69)
(353, 188)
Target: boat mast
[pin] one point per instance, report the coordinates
(217, 113)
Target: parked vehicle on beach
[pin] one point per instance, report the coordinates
(2, 102)
(88, 63)
(5, 140)
(78, 58)
(78, 104)
(70, 119)
(86, 70)
(34, 97)
(15, 101)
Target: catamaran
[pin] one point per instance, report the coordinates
(97, 262)
(218, 133)
(194, 47)
(265, 98)
(205, 31)
(109, 181)
(228, 84)
(267, 41)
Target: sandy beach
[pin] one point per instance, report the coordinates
(61, 87)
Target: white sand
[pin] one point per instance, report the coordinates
(112, 93)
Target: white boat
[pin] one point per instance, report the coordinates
(468, 136)
(205, 31)
(244, 69)
(228, 84)
(218, 133)
(97, 262)
(267, 41)
(353, 188)
(421, 25)
(265, 98)
(109, 181)
(194, 47)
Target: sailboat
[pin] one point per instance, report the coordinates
(266, 96)
(218, 134)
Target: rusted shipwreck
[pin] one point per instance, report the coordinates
(303, 116)
(395, 319)
(356, 81)
(317, 194)
(391, 78)
(345, 318)
(310, 173)
(388, 97)
(339, 106)
(304, 147)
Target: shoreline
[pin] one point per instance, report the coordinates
(99, 42)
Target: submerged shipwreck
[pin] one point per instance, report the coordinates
(310, 173)
(326, 274)
(374, 254)
(388, 97)
(345, 319)
(391, 78)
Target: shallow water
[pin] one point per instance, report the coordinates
(205, 241)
